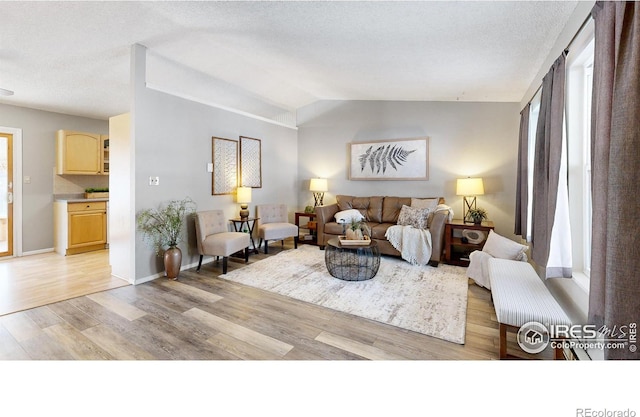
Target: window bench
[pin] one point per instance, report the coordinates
(520, 296)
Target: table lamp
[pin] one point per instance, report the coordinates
(243, 197)
(318, 186)
(469, 188)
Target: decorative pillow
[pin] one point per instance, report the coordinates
(346, 216)
(430, 203)
(416, 217)
(501, 247)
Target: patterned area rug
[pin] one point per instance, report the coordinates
(428, 300)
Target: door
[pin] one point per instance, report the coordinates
(6, 194)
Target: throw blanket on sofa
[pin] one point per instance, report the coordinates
(413, 244)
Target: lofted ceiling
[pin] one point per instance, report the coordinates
(269, 57)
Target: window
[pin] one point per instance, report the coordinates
(534, 112)
(588, 88)
(578, 105)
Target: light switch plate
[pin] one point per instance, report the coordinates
(154, 180)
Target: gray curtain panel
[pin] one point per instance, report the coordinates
(522, 183)
(614, 296)
(546, 167)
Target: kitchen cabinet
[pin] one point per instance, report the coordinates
(81, 153)
(80, 226)
(105, 154)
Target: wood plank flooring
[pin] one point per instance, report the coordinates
(36, 280)
(203, 317)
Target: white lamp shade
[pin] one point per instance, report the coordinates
(470, 186)
(318, 184)
(243, 195)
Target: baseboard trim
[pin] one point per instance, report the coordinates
(37, 252)
(161, 274)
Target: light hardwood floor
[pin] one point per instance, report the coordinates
(36, 280)
(203, 317)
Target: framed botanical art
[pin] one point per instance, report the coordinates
(250, 162)
(401, 159)
(224, 178)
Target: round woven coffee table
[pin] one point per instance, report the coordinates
(352, 262)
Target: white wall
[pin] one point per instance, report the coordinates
(38, 154)
(121, 221)
(172, 140)
(466, 139)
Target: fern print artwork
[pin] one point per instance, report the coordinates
(405, 159)
(378, 159)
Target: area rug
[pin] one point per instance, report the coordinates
(423, 299)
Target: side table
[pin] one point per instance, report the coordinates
(238, 226)
(311, 225)
(456, 251)
(352, 262)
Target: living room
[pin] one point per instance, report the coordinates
(172, 134)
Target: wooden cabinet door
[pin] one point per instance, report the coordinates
(87, 229)
(104, 146)
(79, 153)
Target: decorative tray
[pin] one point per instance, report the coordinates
(353, 242)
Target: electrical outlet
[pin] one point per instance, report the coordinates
(154, 180)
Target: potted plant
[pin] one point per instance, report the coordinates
(162, 228)
(477, 215)
(354, 232)
(96, 192)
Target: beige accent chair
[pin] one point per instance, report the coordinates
(274, 224)
(214, 238)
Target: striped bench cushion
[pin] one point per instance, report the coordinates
(519, 296)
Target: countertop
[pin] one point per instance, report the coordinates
(75, 198)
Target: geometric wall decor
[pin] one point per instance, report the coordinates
(224, 178)
(250, 162)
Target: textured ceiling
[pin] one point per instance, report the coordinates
(269, 57)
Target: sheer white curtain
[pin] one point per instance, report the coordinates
(560, 259)
(522, 179)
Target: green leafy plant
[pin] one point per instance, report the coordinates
(358, 229)
(162, 227)
(97, 190)
(355, 224)
(477, 214)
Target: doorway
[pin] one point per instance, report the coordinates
(6, 194)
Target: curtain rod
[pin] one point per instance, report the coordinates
(566, 50)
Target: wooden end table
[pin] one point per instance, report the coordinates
(311, 225)
(238, 224)
(456, 252)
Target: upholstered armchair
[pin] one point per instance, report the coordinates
(496, 246)
(273, 224)
(214, 239)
